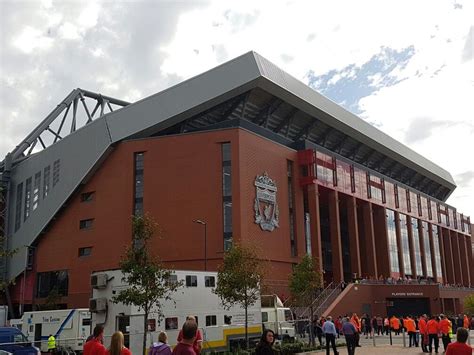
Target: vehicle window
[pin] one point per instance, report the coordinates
(171, 323)
(86, 321)
(19, 338)
(288, 315)
(264, 317)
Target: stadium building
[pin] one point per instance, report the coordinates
(242, 153)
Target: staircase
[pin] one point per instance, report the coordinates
(321, 302)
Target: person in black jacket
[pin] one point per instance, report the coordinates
(265, 346)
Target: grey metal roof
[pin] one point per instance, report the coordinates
(248, 88)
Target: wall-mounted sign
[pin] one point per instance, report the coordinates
(407, 294)
(266, 207)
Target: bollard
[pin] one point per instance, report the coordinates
(390, 332)
(373, 339)
(404, 339)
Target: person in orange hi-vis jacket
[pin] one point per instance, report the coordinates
(422, 326)
(355, 320)
(411, 329)
(433, 329)
(444, 328)
(465, 322)
(395, 325)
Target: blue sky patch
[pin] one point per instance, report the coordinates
(347, 86)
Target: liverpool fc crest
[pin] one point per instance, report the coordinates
(266, 207)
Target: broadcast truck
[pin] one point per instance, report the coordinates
(70, 327)
(221, 329)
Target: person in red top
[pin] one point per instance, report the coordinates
(185, 346)
(432, 327)
(198, 341)
(423, 333)
(94, 346)
(460, 347)
(444, 328)
(117, 346)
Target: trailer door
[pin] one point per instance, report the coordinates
(38, 332)
(123, 325)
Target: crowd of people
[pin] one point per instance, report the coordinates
(422, 331)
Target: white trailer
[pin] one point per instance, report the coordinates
(221, 328)
(70, 327)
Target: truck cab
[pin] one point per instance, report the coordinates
(12, 340)
(277, 317)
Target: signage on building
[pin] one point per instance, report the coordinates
(266, 207)
(407, 294)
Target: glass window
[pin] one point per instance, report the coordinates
(172, 279)
(56, 165)
(227, 194)
(36, 190)
(289, 167)
(87, 196)
(85, 251)
(436, 250)
(86, 223)
(227, 319)
(48, 281)
(405, 244)
(27, 208)
(19, 201)
(264, 317)
(191, 281)
(46, 181)
(171, 323)
(392, 241)
(138, 184)
(210, 281)
(211, 321)
(426, 243)
(227, 217)
(416, 247)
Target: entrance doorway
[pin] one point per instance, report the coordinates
(407, 306)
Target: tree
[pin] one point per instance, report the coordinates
(469, 304)
(305, 283)
(238, 280)
(149, 282)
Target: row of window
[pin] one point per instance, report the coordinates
(171, 323)
(28, 199)
(191, 280)
(352, 179)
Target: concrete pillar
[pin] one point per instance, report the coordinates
(470, 257)
(414, 273)
(313, 206)
(371, 255)
(353, 235)
(335, 232)
(399, 245)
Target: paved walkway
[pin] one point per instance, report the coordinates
(382, 350)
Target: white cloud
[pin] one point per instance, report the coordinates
(30, 39)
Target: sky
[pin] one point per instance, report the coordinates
(406, 67)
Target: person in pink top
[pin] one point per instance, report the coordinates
(185, 346)
(117, 346)
(460, 347)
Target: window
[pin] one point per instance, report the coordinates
(227, 194)
(87, 196)
(86, 223)
(210, 281)
(172, 279)
(36, 190)
(27, 208)
(86, 322)
(426, 243)
(227, 319)
(19, 201)
(52, 280)
(416, 247)
(171, 323)
(46, 178)
(30, 259)
(436, 251)
(397, 201)
(264, 317)
(56, 172)
(211, 321)
(85, 251)
(291, 211)
(392, 241)
(405, 244)
(138, 193)
(191, 281)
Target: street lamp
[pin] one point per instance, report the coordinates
(199, 221)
